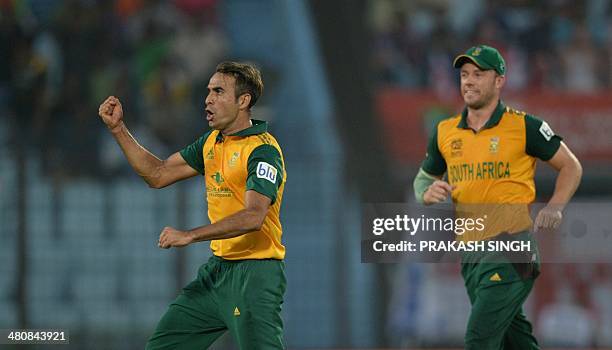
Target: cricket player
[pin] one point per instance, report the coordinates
(489, 154)
(241, 287)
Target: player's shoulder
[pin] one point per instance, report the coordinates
(517, 118)
(527, 119)
(517, 114)
(212, 133)
(205, 137)
(263, 142)
(510, 111)
(265, 138)
(450, 122)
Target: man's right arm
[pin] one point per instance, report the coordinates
(156, 172)
(429, 188)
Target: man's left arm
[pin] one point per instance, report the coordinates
(265, 174)
(543, 143)
(568, 179)
(244, 221)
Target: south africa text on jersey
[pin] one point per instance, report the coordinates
(479, 171)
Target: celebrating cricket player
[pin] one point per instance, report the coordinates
(241, 287)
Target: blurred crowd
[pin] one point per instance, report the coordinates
(60, 59)
(550, 44)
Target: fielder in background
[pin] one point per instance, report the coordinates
(489, 154)
(241, 287)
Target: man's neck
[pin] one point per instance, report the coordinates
(477, 118)
(241, 123)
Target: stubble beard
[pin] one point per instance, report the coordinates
(482, 102)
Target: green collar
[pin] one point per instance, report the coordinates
(258, 127)
(493, 120)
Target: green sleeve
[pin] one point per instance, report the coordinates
(541, 141)
(434, 163)
(265, 171)
(192, 154)
(421, 183)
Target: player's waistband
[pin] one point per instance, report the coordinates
(527, 247)
(219, 259)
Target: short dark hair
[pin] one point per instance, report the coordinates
(248, 78)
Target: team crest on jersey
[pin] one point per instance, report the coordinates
(266, 171)
(456, 148)
(546, 131)
(494, 145)
(234, 159)
(210, 155)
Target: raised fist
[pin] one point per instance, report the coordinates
(111, 113)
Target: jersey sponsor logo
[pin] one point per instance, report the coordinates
(266, 171)
(494, 145)
(456, 146)
(546, 131)
(478, 171)
(222, 192)
(236, 311)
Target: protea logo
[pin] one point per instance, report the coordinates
(218, 178)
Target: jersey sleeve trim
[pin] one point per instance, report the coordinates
(192, 154)
(434, 163)
(265, 171)
(541, 141)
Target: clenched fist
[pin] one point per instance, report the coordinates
(171, 237)
(550, 217)
(111, 113)
(437, 192)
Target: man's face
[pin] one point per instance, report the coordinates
(221, 103)
(479, 87)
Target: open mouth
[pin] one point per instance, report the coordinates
(209, 115)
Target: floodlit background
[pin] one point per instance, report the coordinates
(352, 89)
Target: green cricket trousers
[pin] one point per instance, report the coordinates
(243, 296)
(497, 286)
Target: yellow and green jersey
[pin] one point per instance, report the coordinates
(233, 164)
(492, 169)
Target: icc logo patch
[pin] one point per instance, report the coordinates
(456, 148)
(494, 145)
